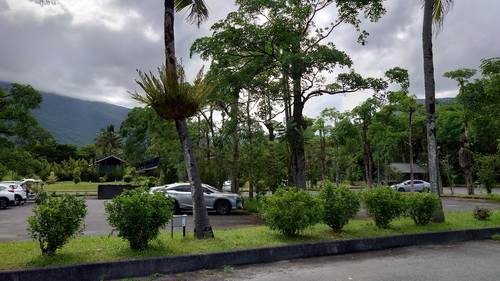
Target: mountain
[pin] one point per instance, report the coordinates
(75, 121)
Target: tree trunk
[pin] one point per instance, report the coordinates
(168, 25)
(202, 227)
(297, 137)
(410, 146)
(429, 86)
(367, 157)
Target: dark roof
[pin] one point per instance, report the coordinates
(404, 168)
(109, 157)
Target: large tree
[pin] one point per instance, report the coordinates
(434, 12)
(108, 142)
(283, 37)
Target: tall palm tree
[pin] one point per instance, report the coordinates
(172, 98)
(108, 142)
(434, 12)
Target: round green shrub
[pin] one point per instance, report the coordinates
(76, 180)
(138, 216)
(383, 204)
(56, 220)
(290, 211)
(128, 178)
(339, 205)
(481, 213)
(422, 206)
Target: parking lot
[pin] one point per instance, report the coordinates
(13, 222)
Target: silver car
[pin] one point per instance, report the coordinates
(221, 202)
(405, 186)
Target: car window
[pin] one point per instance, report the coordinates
(2, 188)
(418, 182)
(182, 188)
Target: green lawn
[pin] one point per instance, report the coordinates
(16, 255)
(69, 186)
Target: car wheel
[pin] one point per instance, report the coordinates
(176, 210)
(17, 200)
(222, 207)
(401, 189)
(3, 203)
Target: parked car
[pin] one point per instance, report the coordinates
(6, 196)
(20, 191)
(405, 186)
(221, 202)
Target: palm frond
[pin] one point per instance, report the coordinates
(169, 94)
(198, 10)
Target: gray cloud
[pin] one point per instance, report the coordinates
(91, 49)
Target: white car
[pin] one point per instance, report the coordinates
(405, 186)
(20, 191)
(6, 196)
(221, 202)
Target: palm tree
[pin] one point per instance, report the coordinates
(172, 98)
(434, 12)
(108, 142)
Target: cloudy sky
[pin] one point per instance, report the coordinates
(90, 49)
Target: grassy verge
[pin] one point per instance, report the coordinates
(16, 255)
(69, 186)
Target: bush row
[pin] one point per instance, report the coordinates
(291, 211)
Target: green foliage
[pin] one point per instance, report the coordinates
(486, 166)
(481, 213)
(128, 178)
(52, 178)
(138, 216)
(339, 205)
(290, 210)
(383, 204)
(496, 237)
(422, 206)
(56, 220)
(76, 180)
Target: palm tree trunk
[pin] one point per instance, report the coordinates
(168, 25)
(429, 86)
(202, 227)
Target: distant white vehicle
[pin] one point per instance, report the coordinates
(405, 186)
(226, 186)
(7, 196)
(221, 202)
(20, 191)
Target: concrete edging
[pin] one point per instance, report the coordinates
(183, 263)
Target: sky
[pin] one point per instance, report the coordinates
(91, 49)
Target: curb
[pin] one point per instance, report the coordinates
(184, 263)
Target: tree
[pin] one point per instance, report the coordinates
(172, 98)
(282, 37)
(19, 129)
(434, 11)
(108, 142)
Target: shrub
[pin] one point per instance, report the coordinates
(481, 213)
(138, 216)
(56, 220)
(422, 206)
(128, 178)
(383, 204)
(52, 178)
(290, 211)
(339, 205)
(76, 180)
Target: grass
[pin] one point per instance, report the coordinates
(69, 186)
(18, 255)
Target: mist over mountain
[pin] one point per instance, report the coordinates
(75, 121)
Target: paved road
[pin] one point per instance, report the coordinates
(465, 261)
(13, 223)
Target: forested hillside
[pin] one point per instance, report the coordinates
(75, 121)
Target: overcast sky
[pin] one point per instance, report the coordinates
(90, 49)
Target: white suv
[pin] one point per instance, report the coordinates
(20, 191)
(6, 196)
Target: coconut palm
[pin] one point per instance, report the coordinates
(108, 142)
(434, 12)
(172, 98)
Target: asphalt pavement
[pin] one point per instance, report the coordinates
(463, 261)
(13, 222)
